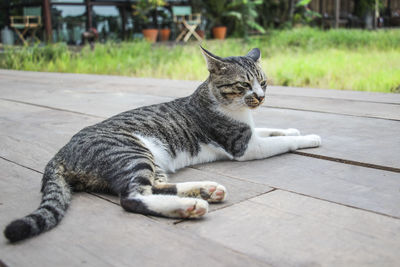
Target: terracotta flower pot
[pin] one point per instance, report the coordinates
(164, 34)
(219, 32)
(150, 35)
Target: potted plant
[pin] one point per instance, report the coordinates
(243, 11)
(166, 22)
(146, 11)
(216, 11)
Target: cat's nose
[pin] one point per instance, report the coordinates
(259, 98)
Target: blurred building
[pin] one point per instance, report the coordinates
(357, 13)
(66, 20)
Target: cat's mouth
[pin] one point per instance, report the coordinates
(254, 102)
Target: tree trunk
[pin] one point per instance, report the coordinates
(337, 13)
(291, 10)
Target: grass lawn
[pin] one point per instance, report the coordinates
(337, 59)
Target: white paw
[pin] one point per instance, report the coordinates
(292, 132)
(192, 208)
(207, 190)
(213, 192)
(313, 140)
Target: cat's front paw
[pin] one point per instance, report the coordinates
(311, 140)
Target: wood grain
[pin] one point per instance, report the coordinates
(97, 233)
(286, 229)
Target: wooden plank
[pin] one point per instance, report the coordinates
(55, 81)
(365, 188)
(286, 229)
(365, 140)
(336, 106)
(79, 98)
(335, 94)
(33, 135)
(20, 139)
(344, 102)
(92, 101)
(98, 233)
(169, 88)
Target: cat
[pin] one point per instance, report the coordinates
(129, 154)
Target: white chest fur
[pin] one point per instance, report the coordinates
(243, 115)
(163, 159)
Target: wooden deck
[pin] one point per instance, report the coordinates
(337, 205)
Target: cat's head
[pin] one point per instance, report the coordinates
(237, 82)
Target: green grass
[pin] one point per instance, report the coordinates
(337, 59)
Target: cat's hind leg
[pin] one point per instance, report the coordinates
(143, 195)
(207, 190)
(165, 205)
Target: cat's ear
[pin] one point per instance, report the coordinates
(254, 54)
(214, 63)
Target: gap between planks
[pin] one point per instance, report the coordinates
(52, 108)
(348, 162)
(333, 98)
(328, 112)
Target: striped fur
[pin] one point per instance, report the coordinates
(130, 153)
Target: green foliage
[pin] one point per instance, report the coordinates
(337, 69)
(216, 11)
(273, 13)
(363, 6)
(303, 3)
(242, 12)
(245, 12)
(338, 59)
(143, 9)
(303, 14)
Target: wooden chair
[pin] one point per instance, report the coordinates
(31, 20)
(187, 22)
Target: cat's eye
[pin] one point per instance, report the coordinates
(246, 85)
(263, 83)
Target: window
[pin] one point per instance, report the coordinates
(67, 1)
(68, 22)
(108, 22)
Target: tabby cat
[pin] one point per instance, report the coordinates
(130, 153)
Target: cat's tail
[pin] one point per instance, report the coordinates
(55, 201)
